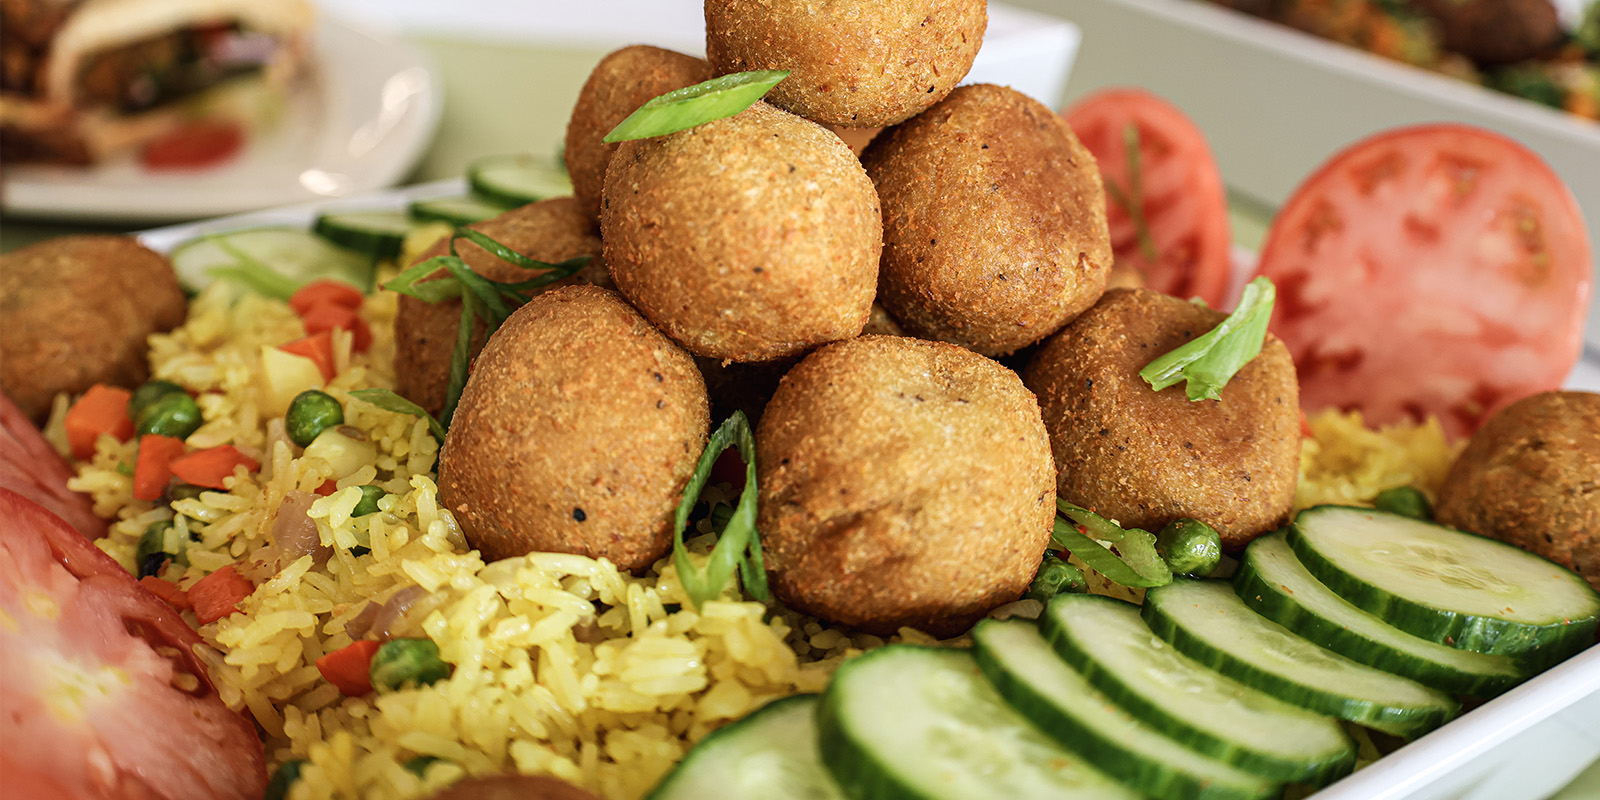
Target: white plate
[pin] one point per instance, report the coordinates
(1525, 744)
(359, 121)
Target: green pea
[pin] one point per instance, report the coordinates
(310, 413)
(176, 415)
(402, 661)
(370, 495)
(178, 490)
(149, 393)
(283, 779)
(419, 766)
(1054, 577)
(1190, 547)
(151, 551)
(1407, 501)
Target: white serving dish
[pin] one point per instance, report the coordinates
(1522, 745)
(1276, 102)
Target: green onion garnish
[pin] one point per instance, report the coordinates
(739, 546)
(387, 400)
(1212, 359)
(481, 298)
(1132, 201)
(1139, 565)
(682, 109)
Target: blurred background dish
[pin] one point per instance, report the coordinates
(358, 119)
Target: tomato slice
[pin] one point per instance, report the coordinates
(31, 468)
(1434, 270)
(194, 145)
(103, 694)
(1184, 202)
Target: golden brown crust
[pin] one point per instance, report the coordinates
(425, 333)
(851, 63)
(79, 310)
(621, 82)
(1146, 458)
(750, 238)
(994, 224)
(1531, 477)
(577, 432)
(903, 482)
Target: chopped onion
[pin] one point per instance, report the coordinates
(403, 615)
(294, 532)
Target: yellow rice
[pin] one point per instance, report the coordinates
(563, 665)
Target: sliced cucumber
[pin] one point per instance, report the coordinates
(271, 261)
(1105, 641)
(458, 211)
(908, 722)
(770, 754)
(517, 180)
(1205, 621)
(1459, 589)
(374, 234)
(1272, 582)
(1027, 672)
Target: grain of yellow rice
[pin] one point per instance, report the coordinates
(563, 665)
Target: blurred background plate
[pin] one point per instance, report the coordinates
(359, 121)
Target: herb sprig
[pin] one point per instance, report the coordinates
(682, 109)
(481, 298)
(1209, 361)
(1138, 565)
(739, 546)
(1132, 201)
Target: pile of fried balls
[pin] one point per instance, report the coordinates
(922, 332)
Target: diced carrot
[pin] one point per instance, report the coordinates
(208, 467)
(325, 290)
(152, 470)
(101, 410)
(327, 488)
(350, 667)
(318, 347)
(327, 316)
(167, 591)
(1305, 426)
(217, 595)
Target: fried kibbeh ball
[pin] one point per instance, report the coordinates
(551, 230)
(994, 227)
(1146, 458)
(903, 483)
(79, 310)
(751, 238)
(576, 433)
(1531, 477)
(624, 80)
(851, 63)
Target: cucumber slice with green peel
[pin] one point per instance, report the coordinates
(1273, 583)
(1026, 671)
(1459, 589)
(458, 211)
(1105, 640)
(772, 753)
(374, 234)
(1207, 622)
(906, 722)
(270, 261)
(517, 180)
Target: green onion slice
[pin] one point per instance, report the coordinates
(1211, 360)
(682, 109)
(481, 298)
(739, 546)
(262, 279)
(1139, 565)
(387, 400)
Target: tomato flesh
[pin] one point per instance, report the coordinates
(1184, 203)
(195, 145)
(1438, 270)
(103, 695)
